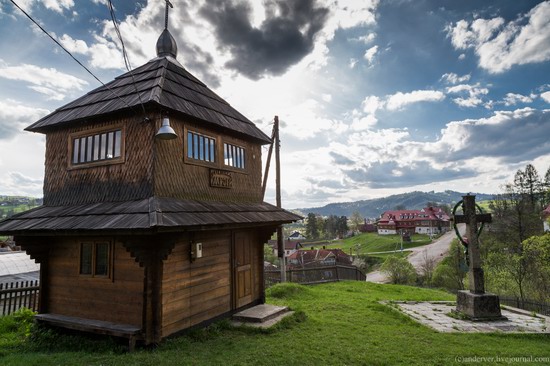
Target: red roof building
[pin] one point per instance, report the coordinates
(429, 220)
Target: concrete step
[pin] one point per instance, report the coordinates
(264, 315)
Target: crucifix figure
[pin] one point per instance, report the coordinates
(475, 303)
(471, 219)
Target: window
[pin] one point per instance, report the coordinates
(201, 147)
(99, 147)
(95, 258)
(233, 156)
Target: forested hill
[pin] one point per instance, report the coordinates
(374, 207)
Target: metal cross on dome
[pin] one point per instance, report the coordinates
(168, 4)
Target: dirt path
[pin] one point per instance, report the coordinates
(436, 251)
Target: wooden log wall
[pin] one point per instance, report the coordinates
(131, 179)
(194, 292)
(117, 299)
(176, 176)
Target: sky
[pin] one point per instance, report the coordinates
(374, 97)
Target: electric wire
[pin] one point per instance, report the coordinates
(125, 54)
(69, 53)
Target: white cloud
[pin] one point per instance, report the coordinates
(49, 81)
(470, 94)
(400, 100)
(372, 103)
(352, 63)
(326, 98)
(366, 39)
(15, 116)
(513, 99)
(58, 5)
(370, 54)
(453, 78)
(546, 96)
(500, 46)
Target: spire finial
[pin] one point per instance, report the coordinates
(168, 4)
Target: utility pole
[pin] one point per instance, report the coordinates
(280, 244)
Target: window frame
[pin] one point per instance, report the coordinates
(89, 137)
(236, 150)
(197, 132)
(93, 262)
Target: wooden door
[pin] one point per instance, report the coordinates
(242, 264)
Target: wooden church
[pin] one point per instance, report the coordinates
(153, 218)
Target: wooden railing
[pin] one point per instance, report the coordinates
(315, 275)
(16, 295)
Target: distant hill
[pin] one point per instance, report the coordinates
(374, 207)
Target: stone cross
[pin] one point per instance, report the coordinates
(471, 219)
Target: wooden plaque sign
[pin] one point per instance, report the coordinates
(221, 178)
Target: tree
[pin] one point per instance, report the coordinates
(331, 227)
(427, 267)
(399, 270)
(356, 221)
(311, 226)
(342, 226)
(451, 271)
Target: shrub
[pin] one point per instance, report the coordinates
(399, 270)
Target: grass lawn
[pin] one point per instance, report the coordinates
(337, 324)
(372, 242)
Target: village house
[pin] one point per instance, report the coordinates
(290, 246)
(429, 220)
(153, 218)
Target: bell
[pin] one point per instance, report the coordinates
(166, 132)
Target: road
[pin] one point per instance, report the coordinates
(436, 251)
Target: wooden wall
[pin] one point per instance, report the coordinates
(193, 292)
(129, 180)
(118, 299)
(178, 178)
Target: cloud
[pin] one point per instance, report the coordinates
(546, 96)
(470, 95)
(53, 83)
(370, 54)
(366, 39)
(452, 78)
(282, 40)
(511, 136)
(513, 99)
(501, 46)
(16, 183)
(393, 175)
(340, 159)
(399, 100)
(14, 117)
(58, 5)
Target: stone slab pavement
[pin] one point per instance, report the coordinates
(435, 315)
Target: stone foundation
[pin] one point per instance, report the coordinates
(478, 306)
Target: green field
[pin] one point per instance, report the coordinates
(372, 242)
(335, 324)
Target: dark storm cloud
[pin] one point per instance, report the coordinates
(282, 40)
(390, 175)
(513, 137)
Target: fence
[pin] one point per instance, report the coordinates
(540, 308)
(314, 275)
(16, 295)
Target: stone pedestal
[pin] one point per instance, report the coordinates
(482, 306)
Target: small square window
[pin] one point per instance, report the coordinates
(95, 258)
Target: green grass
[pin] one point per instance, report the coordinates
(372, 242)
(338, 324)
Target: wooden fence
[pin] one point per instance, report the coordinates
(16, 295)
(321, 274)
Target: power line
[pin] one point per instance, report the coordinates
(124, 54)
(70, 54)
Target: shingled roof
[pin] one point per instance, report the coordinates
(163, 82)
(158, 214)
